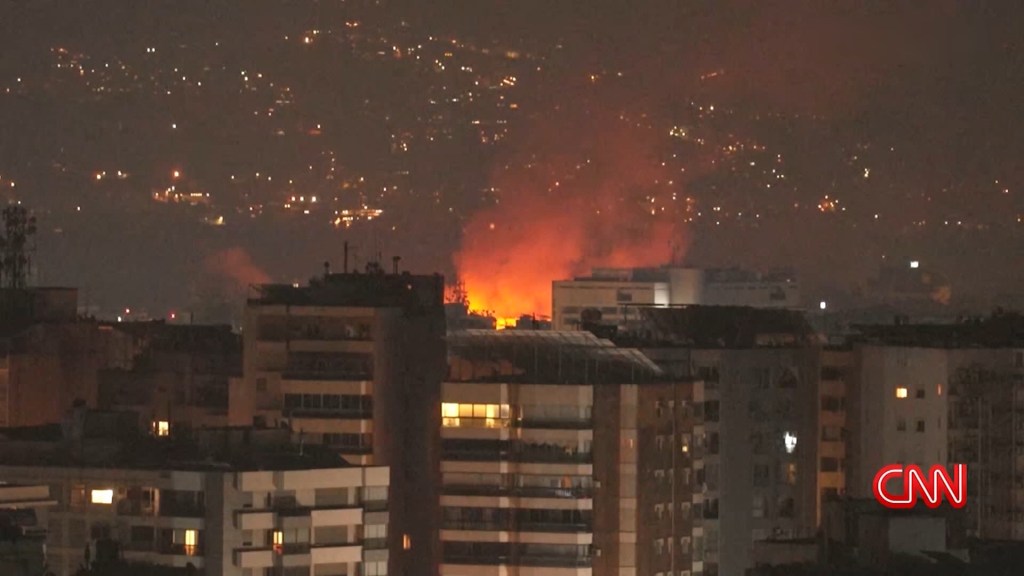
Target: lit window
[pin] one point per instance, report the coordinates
(278, 541)
(901, 392)
(790, 440)
(161, 428)
(406, 542)
(938, 390)
(455, 415)
(102, 496)
(190, 542)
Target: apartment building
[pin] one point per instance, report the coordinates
(178, 378)
(227, 503)
(354, 362)
(563, 455)
(945, 394)
(766, 449)
(23, 522)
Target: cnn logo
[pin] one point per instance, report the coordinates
(932, 488)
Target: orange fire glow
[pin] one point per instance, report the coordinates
(587, 195)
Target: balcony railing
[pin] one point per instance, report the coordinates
(559, 527)
(532, 456)
(556, 424)
(492, 560)
(343, 375)
(521, 491)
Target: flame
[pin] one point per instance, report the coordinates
(581, 192)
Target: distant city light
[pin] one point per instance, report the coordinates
(915, 264)
(822, 305)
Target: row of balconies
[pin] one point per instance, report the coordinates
(300, 517)
(297, 555)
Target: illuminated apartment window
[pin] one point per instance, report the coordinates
(161, 428)
(190, 542)
(406, 542)
(455, 415)
(938, 390)
(278, 541)
(901, 392)
(101, 496)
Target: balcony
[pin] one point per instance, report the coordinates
(255, 520)
(336, 553)
(344, 375)
(331, 414)
(254, 558)
(538, 561)
(337, 516)
(556, 424)
(533, 456)
(550, 527)
(518, 491)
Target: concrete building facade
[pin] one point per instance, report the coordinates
(617, 293)
(562, 456)
(354, 362)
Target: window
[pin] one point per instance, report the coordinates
(77, 500)
(901, 392)
(261, 384)
(919, 394)
(758, 507)
(406, 542)
(105, 496)
(830, 464)
(375, 568)
(920, 425)
(191, 537)
(832, 403)
(762, 475)
(938, 390)
(161, 428)
(831, 433)
(455, 415)
(787, 507)
(789, 441)
(788, 472)
(278, 541)
(901, 425)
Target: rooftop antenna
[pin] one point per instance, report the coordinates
(327, 269)
(394, 264)
(345, 269)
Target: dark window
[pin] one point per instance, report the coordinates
(831, 373)
(920, 425)
(832, 403)
(830, 465)
(711, 408)
(920, 393)
(762, 475)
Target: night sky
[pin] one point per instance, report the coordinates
(512, 143)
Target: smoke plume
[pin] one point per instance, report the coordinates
(585, 187)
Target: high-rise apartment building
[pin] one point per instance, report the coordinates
(563, 455)
(945, 394)
(354, 362)
(768, 404)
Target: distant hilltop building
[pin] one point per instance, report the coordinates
(611, 296)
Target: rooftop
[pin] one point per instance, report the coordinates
(1000, 330)
(720, 327)
(221, 449)
(374, 290)
(544, 357)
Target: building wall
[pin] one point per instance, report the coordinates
(405, 355)
(899, 411)
(612, 298)
(226, 526)
(49, 366)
